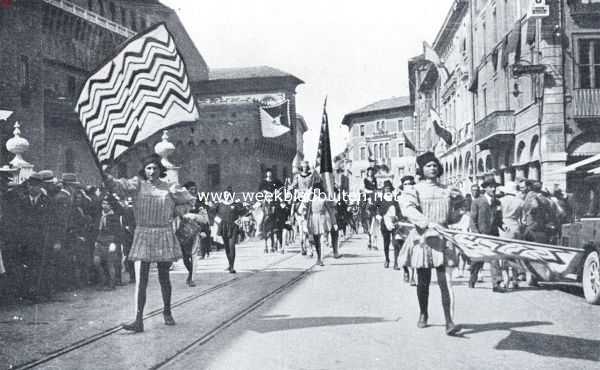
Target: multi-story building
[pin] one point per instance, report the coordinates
(377, 136)
(49, 49)
(533, 84)
(446, 91)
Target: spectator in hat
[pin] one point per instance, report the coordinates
(427, 207)
(484, 220)
(33, 206)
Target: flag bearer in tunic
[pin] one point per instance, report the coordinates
(321, 218)
(427, 206)
(154, 238)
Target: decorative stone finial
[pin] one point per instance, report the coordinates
(18, 145)
(164, 149)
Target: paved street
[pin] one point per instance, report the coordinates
(349, 314)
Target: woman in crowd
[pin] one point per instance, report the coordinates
(427, 206)
(154, 238)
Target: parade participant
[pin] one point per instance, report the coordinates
(303, 180)
(268, 187)
(388, 211)
(282, 215)
(484, 220)
(229, 211)
(154, 239)
(407, 184)
(370, 183)
(187, 233)
(204, 238)
(427, 206)
(107, 247)
(320, 218)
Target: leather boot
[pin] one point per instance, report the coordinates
(137, 326)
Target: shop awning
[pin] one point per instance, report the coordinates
(574, 166)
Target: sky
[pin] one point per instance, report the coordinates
(354, 52)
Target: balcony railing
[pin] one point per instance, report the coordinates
(586, 103)
(91, 17)
(495, 125)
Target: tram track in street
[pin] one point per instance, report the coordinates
(206, 337)
(70, 348)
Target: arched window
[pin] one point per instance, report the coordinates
(534, 148)
(520, 150)
(69, 160)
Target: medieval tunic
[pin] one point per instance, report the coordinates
(320, 216)
(426, 203)
(154, 238)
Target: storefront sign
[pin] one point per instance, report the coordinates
(538, 9)
(527, 69)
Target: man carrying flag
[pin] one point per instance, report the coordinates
(322, 212)
(142, 90)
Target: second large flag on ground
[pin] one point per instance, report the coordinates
(142, 90)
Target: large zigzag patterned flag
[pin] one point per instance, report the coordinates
(143, 89)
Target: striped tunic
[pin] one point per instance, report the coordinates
(426, 203)
(154, 239)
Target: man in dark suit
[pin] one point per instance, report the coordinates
(485, 220)
(34, 206)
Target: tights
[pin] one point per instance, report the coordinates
(387, 240)
(229, 244)
(188, 262)
(142, 273)
(423, 281)
(317, 242)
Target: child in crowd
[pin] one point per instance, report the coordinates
(107, 248)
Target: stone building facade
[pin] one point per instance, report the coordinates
(528, 123)
(50, 47)
(376, 138)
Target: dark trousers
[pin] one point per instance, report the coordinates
(188, 261)
(142, 285)
(229, 244)
(423, 282)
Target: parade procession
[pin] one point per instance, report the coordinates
(158, 212)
